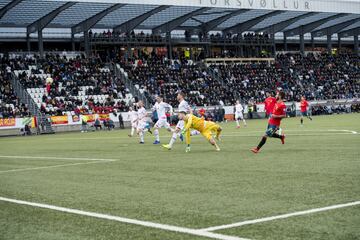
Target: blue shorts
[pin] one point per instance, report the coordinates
(271, 129)
(304, 114)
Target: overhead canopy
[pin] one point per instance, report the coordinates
(317, 16)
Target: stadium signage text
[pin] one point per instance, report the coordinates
(273, 4)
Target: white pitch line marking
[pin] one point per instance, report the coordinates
(59, 158)
(166, 227)
(246, 134)
(282, 216)
(53, 166)
(348, 131)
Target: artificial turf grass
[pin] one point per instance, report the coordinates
(199, 189)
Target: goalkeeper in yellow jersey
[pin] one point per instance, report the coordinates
(206, 128)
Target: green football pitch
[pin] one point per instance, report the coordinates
(104, 185)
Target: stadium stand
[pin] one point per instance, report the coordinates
(62, 86)
(318, 76)
(10, 105)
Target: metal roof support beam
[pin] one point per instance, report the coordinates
(242, 27)
(285, 43)
(208, 26)
(8, 6)
(350, 32)
(311, 26)
(356, 45)
(86, 43)
(171, 25)
(334, 28)
(28, 44)
(41, 43)
(85, 25)
(328, 42)
(312, 42)
(274, 44)
(131, 24)
(45, 20)
(72, 42)
(278, 27)
(302, 44)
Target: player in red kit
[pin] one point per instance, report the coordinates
(304, 107)
(278, 113)
(269, 104)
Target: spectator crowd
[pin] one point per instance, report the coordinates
(78, 85)
(86, 85)
(315, 76)
(10, 105)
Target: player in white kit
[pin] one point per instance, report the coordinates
(239, 114)
(160, 107)
(141, 121)
(133, 117)
(183, 107)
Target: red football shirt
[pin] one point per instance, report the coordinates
(303, 106)
(269, 104)
(279, 109)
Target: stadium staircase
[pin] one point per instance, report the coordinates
(134, 90)
(44, 125)
(216, 75)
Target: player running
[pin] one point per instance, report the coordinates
(269, 104)
(133, 117)
(141, 121)
(304, 109)
(160, 108)
(278, 113)
(206, 128)
(183, 107)
(239, 114)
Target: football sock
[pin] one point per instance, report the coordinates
(262, 142)
(156, 133)
(173, 139)
(141, 133)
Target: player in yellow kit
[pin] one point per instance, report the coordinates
(206, 128)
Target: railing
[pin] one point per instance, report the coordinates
(44, 126)
(237, 60)
(176, 38)
(33, 54)
(129, 84)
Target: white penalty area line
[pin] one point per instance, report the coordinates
(53, 166)
(324, 132)
(59, 158)
(88, 161)
(348, 131)
(166, 227)
(244, 134)
(283, 216)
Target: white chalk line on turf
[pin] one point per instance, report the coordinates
(282, 216)
(52, 166)
(166, 227)
(58, 158)
(324, 132)
(348, 131)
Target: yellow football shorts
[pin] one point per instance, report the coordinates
(210, 129)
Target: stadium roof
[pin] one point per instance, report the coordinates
(293, 17)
